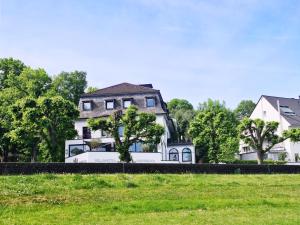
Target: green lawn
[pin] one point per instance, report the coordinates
(150, 199)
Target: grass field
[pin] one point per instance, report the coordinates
(150, 199)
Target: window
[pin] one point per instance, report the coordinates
(110, 104)
(186, 155)
(136, 147)
(126, 103)
(286, 110)
(150, 102)
(86, 133)
(173, 155)
(246, 149)
(121, 131)
(87, 106)
(77, 149)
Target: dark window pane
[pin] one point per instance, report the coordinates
(86, 133)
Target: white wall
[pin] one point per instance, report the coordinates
(265, 111)
(179, 149)
(113, 157)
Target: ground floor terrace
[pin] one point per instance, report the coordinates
(88, 151)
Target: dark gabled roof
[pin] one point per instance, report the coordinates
(292, 103)
(123, 89)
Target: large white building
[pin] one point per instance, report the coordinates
(104, 102)
(285, 111)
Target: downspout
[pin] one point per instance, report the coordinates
(280, 118)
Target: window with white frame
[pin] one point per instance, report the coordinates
(173, 155)
(186, 155)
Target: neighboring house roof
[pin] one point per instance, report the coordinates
(292, 103)
(123, 89)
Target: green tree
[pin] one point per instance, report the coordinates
(214, 132)
(183, 117)
(9, 66)
(262, 136)
(57, 123)
(179, 104)
(91, 89)
(244, 109)
(70, 85)
(138, 127)
(182, 112)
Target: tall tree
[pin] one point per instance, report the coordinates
(244, 109)
(138, 127)
(182, 112)
(57, 123)
(262, 136)
(183, 117)
(214, 132)
(9, 66)
(179, 104)
(70, 85)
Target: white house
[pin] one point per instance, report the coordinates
(106, 101)
(285, 111)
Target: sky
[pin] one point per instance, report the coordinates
(226, 50)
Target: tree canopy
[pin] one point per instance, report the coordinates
(214, 132)
(182, 112)
(262, 136)
(244, 109)
(37, 112)
(138, 127)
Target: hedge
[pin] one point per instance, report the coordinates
(254, 162)
(86, 168)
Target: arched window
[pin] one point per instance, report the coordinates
(173, 155)
(186, 155)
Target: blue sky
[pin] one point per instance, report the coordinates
(228, 50)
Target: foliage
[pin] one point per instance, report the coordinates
(9, 66)
(178, 104)
(183, 118)
(138, 127)
(70, 85)
(214, 132)
(182, 112)
(36, 116)
(244, 109)
(282, 156)
(262, 136)
(91, 89)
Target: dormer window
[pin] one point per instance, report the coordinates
(110, 104)
(286, 110)
(87, 106)
(126, 103)
(150, 102)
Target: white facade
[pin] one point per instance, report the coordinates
(78, 150)
(266, 111)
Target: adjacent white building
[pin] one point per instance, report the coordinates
(104, 102)
(285, 111)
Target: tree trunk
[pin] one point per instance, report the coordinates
(34, 154)
(260, 157)
(5, 155)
